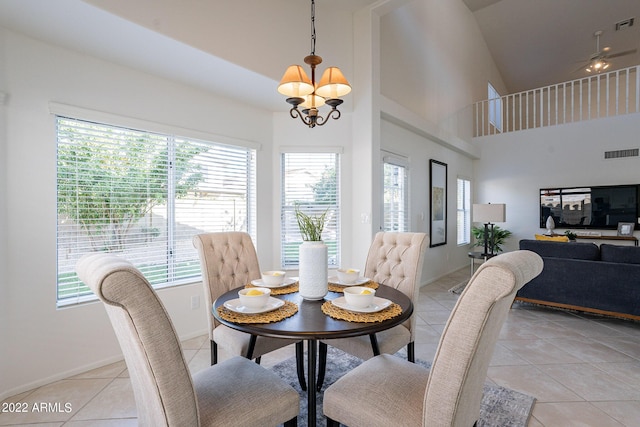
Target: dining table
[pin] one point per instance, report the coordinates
(311, 323)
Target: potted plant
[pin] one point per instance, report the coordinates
(496, 237)
(313, 272)
(311, 226)
(571, 235)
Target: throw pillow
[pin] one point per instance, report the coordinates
(552, 238)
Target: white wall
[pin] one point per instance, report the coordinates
(444, 259)
(513, 167)
(76, 338)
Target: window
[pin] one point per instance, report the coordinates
(495, 108)
(143, 196)
(310, 181)
(395, 215)
(463, 220)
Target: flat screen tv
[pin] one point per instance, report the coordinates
(599, 207)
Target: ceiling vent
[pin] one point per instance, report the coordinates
(624, 24)
(618, 154)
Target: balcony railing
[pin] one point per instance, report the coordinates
(601, 95)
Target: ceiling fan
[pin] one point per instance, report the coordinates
(599, 61)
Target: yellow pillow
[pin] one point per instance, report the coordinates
(552, 239)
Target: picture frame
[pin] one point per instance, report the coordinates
(626, 228)
(437, 203)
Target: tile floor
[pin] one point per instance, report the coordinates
(583, 370)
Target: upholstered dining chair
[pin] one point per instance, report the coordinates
(394, 259)
(236, 392)
(229, 260)
(451, 392)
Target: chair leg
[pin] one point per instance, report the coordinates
(322, 364)
(214, 353)
(293, 422)
(374, 344)
(252, 346)
(332, 423)
(300, 364)
(411, 352)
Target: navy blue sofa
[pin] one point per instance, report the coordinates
(584, 277)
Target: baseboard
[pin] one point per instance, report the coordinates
(80, 370)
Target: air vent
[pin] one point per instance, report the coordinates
(622, 25)
(617, 154)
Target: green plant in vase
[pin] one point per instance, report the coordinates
(496, 237)
(311, 226)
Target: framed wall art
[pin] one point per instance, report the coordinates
(626, 228)
(438, 203)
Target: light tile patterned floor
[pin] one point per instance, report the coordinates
(583, 370)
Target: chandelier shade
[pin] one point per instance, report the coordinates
(313, 101)
(333, 84)
(295, 82)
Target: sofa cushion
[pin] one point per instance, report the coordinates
(622, 254)
(587, 251)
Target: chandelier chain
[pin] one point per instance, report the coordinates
(313, 27)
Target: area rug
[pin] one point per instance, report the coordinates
(501, 407)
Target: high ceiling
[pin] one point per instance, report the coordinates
(536, 43)
(533, 42)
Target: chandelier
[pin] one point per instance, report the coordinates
(305, 93)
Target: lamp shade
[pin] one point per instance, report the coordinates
(295, 82)
(312, 101)
(333, 84)
(489, 212)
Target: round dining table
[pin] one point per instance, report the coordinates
(311, 324)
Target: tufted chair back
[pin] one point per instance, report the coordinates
(396, 259)
(228, 260)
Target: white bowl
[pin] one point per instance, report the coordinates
(254, 297)
(357, 299)
(273, 278)
(348, 275)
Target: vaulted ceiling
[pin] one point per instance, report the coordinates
(533, 42)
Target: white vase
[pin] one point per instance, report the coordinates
(314, 274)
(550, 224)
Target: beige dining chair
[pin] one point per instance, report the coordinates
(236, 392)
(228, 261)
(451, 392)
(395, 259)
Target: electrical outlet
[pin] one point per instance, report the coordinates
(195, 302)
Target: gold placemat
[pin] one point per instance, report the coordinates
(335, 287)
(289, 289)
(341, 314)
(287, 310)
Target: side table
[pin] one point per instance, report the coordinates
(473, 255)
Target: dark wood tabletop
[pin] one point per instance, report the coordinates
(311, 323)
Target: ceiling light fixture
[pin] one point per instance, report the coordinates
(302, 91)
(598, 61)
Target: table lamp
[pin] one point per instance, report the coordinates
(489, 213)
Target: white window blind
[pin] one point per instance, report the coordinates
(395, 194)
(311, 182)
(143, 196)
(463, 220)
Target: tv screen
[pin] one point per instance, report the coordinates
(590, 207)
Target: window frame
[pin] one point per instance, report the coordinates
(290, 236)
(247, 150)
(398, 161)
(495, 107)
(463, 225)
